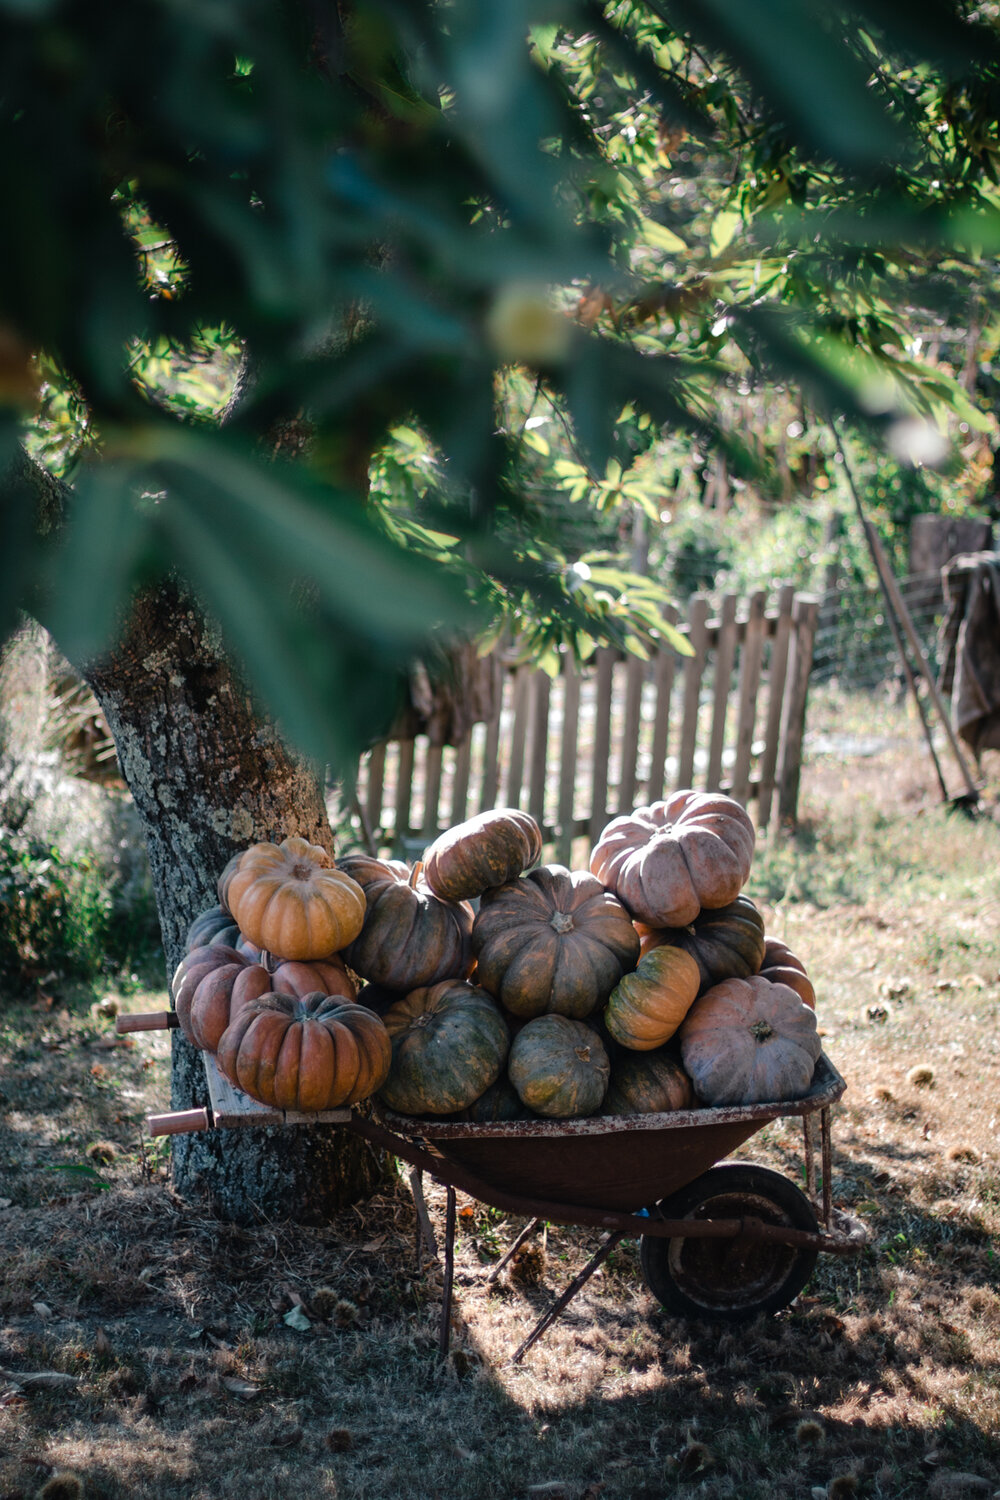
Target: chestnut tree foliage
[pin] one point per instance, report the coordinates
(415, 229)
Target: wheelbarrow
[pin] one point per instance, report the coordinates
(719, 1240)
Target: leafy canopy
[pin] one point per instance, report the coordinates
(434, 233)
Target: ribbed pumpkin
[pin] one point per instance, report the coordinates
(725, 943)
(212, 984)
(378, 998)
(647, 1083)
(212, 928)
(667, 861)
(310, 1053)
(559, 1067)
(289, 899)
(781, 966)
(222, 884)
(410, 936)
(490, 849)
(499, 1102)
(449, 1043)
(647, 1006)
(553, 941)
(747, 1041)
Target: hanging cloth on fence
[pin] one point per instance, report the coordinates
(969, 645)
(450, 694)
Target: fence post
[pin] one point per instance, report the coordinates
(775, 700)
(805, 612)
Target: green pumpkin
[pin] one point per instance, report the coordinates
(499, 1102)
(449, 1043)
(410, 938)
(555, 940)
(559, 1067)
(647, 1083)
(212, 928)
(727, 943)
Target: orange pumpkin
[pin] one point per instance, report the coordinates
(213, 983)
(647, 1006)
(291, 900)
(310, 1053)
(667, 861)
(781, 966)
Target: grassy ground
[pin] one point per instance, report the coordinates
(188, 1374)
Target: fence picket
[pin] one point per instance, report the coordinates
(663, 676)
(566, 809)
(541, 687)
(805, 612)
(490, 789)
(433, 764)
(518, 736)
(404, 789)
(375, 785)
(635, 676)
(776, 691)
(694, 668)
(725, 655)
(602, 742)
(749, 684)
(460, 784)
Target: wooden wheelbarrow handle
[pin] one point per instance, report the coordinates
(179, 1122)
(146, 1020)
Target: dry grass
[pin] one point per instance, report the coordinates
(883, 1380)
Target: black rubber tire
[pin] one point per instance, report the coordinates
(730, 1281)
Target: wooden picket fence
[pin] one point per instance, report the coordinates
(599, 740)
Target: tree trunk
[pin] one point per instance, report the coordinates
(209, 776)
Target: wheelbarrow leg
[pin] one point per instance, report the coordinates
(563, 1302)
(444, 1332)
(425, 1231)
(827, 1143)
(809, 1151)
(509, 1254)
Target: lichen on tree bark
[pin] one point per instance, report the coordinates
(209, 775)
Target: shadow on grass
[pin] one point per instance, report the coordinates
(199, 1388)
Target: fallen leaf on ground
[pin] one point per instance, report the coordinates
(245, 1389)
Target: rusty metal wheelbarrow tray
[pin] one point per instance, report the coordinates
(618, 1163)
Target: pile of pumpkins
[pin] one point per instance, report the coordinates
(641, 985)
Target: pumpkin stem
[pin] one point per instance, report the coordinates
(761, 1031)
(304, 869)
(561, 921)
(415, 874)
(583, 1053)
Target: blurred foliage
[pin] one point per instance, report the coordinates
(58, 919)
(534, 269)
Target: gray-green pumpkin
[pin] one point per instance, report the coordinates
(559, 1067)
(449, 1043)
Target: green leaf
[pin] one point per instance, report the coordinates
(724, 227)
(659, 237)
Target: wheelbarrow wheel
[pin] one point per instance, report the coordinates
(730, 1281)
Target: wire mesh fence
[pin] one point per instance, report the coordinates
(855, 644)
